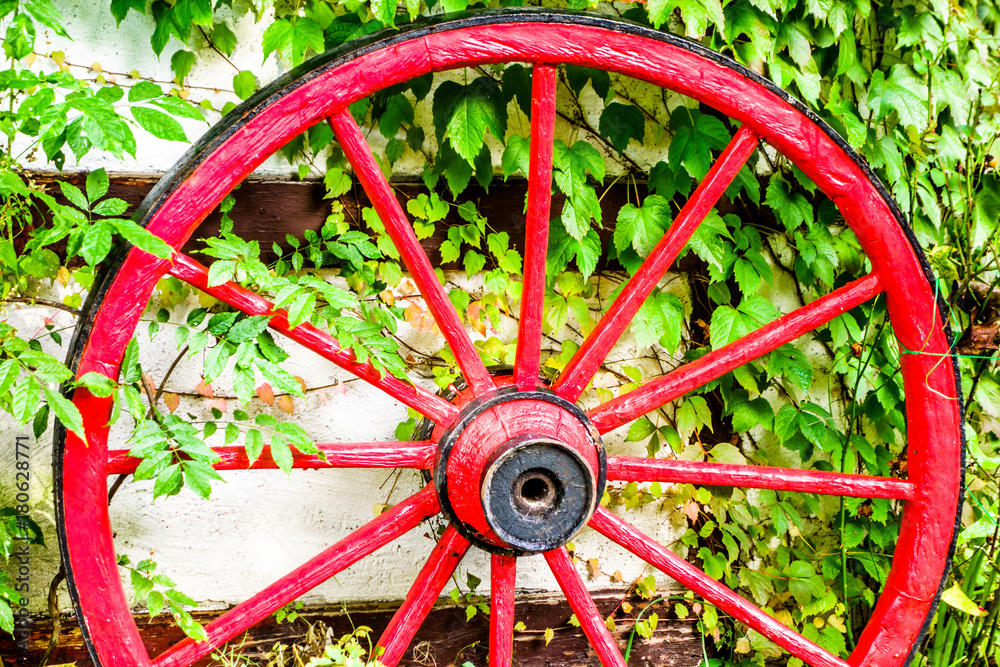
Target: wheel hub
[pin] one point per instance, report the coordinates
(520, 472)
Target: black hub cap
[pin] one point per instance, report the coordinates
(537, 493)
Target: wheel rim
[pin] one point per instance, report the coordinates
(321, 90)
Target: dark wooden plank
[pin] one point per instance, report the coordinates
(267, 209)
(444, 639)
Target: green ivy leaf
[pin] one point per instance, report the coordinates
(666, 180)
(571, 168)
(659, 319)
(292, 40)
(96, 243)
(750, 414)
(144, 90)
(620, 123)
(254, 444)
(516, 156)
(223, 38)
(74, 195)
(120, 8)
(244, 84)
(517, 86)
(640, 430)
(577, 77)
(693, 142)
(111, 207)
(791, 208)
(198, 12)
(473, 262)
(98, 384)
(465, 113)
(710, 243)
(642, 227)
(142, 239)
(181, 63)
(398, 110)
(97, 184)
(281, 453)
(178, 107)
(65, 411)
(159, 124)
(456, 169)
(20, 37)
(789, 362)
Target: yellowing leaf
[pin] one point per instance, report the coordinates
(549, 634)
(266, 393)
(957, 598)
(172, 401)
(285, 403)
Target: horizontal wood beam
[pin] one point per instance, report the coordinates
(266, 209)
(445, 638)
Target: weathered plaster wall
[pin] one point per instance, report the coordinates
(260, 525)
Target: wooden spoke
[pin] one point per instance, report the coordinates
(418, 454)
(543, 118)
(643, 546)
(434, 407)
(595, 348)
(503, 571)
(583, 606)
(673, 385)
(398, 227)
(324, 87)
(639, 469)
(363, 541)
(423, 594)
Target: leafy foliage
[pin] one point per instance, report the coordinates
(912, 86)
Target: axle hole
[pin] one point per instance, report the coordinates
(536, 492)
(535, 489)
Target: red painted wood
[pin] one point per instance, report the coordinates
(88, 532)
(627, 407)
(418, 454)
(617, 530)
(472, 451)
(503, 573)
(398, 227)
(527, 362)
(638, 469)
(365, 540)
(436, 408)
(423, 594)
(581, 368)
(932, 404)
(583, 606)
(924, 536)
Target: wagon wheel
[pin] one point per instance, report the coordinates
(511, 450)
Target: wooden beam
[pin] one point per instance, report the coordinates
(266, 209)
(445, 638)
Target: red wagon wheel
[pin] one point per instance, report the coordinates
(506, 450)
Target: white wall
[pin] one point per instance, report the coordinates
(260, 525)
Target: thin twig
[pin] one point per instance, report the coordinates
(54, 614)
(211, 45)
(35, 301)
(163, 382)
